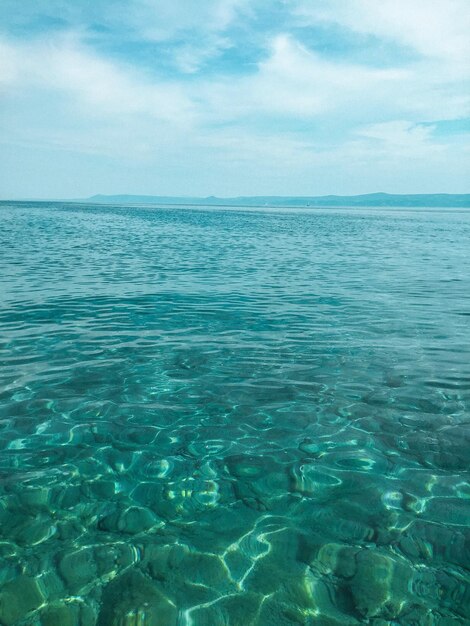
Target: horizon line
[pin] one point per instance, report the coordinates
(230, 197)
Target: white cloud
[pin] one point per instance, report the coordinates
(198, 28)
(101, 86)
(63, 94)
(296, 83)
(400, 139)
(292, 83)
(435, 28)
(10, 62)
(397, 132)
(436, 31)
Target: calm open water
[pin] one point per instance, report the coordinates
(234, 418)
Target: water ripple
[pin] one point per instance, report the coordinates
(216, 418)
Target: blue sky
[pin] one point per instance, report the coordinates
(234, 97)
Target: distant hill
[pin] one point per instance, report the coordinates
(441, 200)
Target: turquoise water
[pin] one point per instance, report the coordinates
(234, 418)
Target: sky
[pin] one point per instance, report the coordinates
(233, 97)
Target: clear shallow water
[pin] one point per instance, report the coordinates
(234, 418)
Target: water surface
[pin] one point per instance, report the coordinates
(234, 417)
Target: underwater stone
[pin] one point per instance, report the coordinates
(205, 569)
(131, 521)
(36, 498)
(371, 585)
(418, 616)
(246, 466)
(102, 489)
(207, 494)
(261, 484)
(158, 468)
(393, 499)
(455, 511)
(87, 615)
(112, 558)
(454, 593)
(239, 609)
(326, 612)
(35, 531)
(161, 560)
(70, 529)
(299, 592)
(310, 447)
(237, 563)
(136, 520)
(328, 620)
(196, 577)
(149, 494)
(337, 558)
(18, 598)
(271, 562)
(446, 544)
(119, 460)
(11, 518)
(110, 522)
(143, 435)
(52, 583)
(61, 614)
(277, 610)
(68, 496)
(220, 527)
(185, 496)
(306, 480)
(133, 600)
(9, 568)
(189, 594)
(78, 569)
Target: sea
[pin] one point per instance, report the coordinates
(234, 416)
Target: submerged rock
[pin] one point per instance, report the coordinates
(134, 600)
(308, 481)
(34, 532)
(78, 569)
(110, 559)
(260, 483)
(131, 521)
(61, 614)
(240, 609)
(454, 593)
(18, 598)
(338, 559)
(371, 584)
(188, 496)
(194, 577)
(380, 585)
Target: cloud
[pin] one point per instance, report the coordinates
(153, 19)
(397, 132)
(435, 28)
(10, 61)
(300, 81)
(297, 83)
(436, 86)
(400, 139)
(148, 81)
(102, 87)
(195, 33)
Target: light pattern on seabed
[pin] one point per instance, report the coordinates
(234, 417)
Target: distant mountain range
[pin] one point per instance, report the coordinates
(441, 200)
